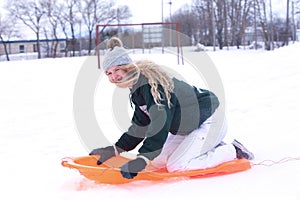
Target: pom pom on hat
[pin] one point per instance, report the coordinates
(116, 54)
(114, 42)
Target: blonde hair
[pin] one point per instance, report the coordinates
(155, 75)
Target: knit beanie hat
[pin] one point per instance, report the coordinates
(116, 54)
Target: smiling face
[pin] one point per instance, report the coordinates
(116, 74)
(124, 76)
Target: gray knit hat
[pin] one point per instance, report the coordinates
(116, 54)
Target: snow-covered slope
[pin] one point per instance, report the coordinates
(37, 130)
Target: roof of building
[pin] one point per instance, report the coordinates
(33, 41)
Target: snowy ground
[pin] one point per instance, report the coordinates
(37, 130)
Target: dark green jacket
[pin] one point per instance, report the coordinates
(152, 123)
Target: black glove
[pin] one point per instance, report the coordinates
(130, 169)
(105, 154)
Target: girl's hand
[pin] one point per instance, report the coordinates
(130, 169)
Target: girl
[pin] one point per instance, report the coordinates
(176, 122)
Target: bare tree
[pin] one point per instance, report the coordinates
(246, 6)
(7, 31)
(262, 14)
(199, 10)
(187, 22)
(219, 18)
(211, 21)
(226, 37)
(231, 19)
(53, 13)
(30, 13)
(287, 23)
(70, 15)
(64, 29)
(101, 11)
(271, 26)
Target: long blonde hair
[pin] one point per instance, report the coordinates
(155, 75)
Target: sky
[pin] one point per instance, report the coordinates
(151, 11)
(38, 130)
(145, 11)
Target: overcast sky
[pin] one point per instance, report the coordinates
(144, 11)
(151, 11)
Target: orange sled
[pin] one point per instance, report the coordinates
(109, 171)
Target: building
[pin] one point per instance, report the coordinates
(30, 46)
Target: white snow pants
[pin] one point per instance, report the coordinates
(198, 150)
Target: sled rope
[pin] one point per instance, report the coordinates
(270, 163)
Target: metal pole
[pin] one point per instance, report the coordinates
(162, 10)
(170, 31)
(287, 23)
(162, 27)
(272, 30)
(213, 24)
(97, 46)
(255, 27)
(293, 21)
(80, 38)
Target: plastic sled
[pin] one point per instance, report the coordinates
(109, 171)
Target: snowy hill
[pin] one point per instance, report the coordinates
(37, 130)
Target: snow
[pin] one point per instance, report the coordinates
(37, 129)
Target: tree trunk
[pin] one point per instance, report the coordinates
(38, 44)
(5, 49)
(287, 23)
